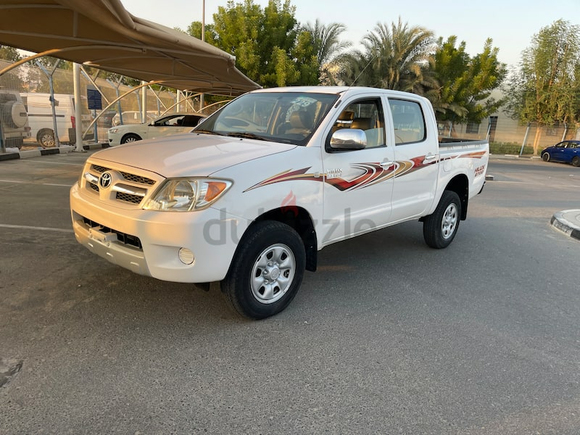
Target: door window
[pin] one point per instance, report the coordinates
(408, 121)
(366, 115)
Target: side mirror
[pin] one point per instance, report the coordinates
(348, 139)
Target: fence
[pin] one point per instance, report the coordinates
(508, 136)
(34, 82)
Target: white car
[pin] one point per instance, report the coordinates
(164, 126)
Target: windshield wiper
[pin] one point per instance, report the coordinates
(246, 135)
(207, 132)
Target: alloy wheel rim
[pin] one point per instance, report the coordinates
(273, 273)
(449, 222)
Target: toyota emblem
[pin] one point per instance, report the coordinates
(105, 180)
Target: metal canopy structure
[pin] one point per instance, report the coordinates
(102, 34)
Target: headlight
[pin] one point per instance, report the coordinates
(187, 194)
(113, 130)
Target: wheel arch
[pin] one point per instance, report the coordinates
(460, 185)
(300, 220)
(130, 134)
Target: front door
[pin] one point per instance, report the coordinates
(358, 183)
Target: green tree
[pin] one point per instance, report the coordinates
(394, 57)
(195, 29)
(464, 83)
(10, 80)
(9, 53)
(327, 45)
(546, 88)
(269, 46)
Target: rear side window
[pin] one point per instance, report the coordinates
(408, 121)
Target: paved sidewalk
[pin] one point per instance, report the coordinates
(28, 153)
(567, 221)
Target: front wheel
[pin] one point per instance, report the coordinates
(266, 271)
(130, 138)
(439, 228)
(546, 157)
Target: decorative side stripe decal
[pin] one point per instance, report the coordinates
(372, 173)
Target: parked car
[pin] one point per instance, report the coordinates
(567, 151)
(14, 126)
(132, 117)
(164, 126)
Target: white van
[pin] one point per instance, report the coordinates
(41, 122)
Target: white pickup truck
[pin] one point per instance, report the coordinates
(252, 194)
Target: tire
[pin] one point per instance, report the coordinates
(576, 161)
(440, 228)
(45, 138)
(266, 271)
(546, 157)
(130, 138)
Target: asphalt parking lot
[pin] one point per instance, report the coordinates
(388, 336)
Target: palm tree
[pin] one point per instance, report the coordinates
(395, 57)
(327, 45)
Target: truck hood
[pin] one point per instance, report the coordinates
(190, 154)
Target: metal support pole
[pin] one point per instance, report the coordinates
(565, 131)
(202, 96)
(118, 99)
(525, 138)
(2, 147)
(78, 112)
(52, 102)
(144, 102)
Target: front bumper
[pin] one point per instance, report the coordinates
(148, 242)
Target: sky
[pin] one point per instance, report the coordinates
(510, 23)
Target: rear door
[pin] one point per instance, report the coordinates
(416, 155)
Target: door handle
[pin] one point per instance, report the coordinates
(430, 157)
(386, 164)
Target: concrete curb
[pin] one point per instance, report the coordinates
(65, 149)
(567, 221)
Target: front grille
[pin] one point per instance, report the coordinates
(124, 238)
(99, 169)
(137, 178)
(127, 197)
(126, 187)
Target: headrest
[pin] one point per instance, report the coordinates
(361, 123)
(346, 115)
(296, 119)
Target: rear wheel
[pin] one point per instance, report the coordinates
(45, 138)
(266, 271)
(439, 228)
(129, 138)
(576, 161)
(546, 157)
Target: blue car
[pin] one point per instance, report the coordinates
(567, 151)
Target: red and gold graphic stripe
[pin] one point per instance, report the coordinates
(372, 173)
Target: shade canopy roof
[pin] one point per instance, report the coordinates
(102, 34)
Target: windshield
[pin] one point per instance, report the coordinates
(287, 117)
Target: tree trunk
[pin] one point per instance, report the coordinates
(537, 138)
